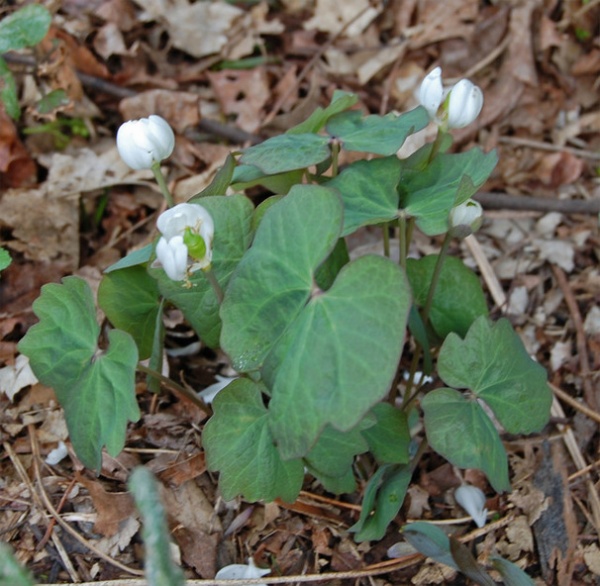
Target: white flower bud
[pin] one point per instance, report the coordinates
(187, 236)
(145, 141)
(465, 218)
(472, 500)
(173, 256)
(465, 103)
(431, 92)
(241, 571)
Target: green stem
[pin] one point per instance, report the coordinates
(402, 237)
(176, 387)
(335, 151)
(436, 277)
(386, 239)
(212, 279)
(437, 143)
(162, 183)
(408, 396)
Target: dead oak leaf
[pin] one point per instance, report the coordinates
(243, 93)
(199, 29)
(111, 507)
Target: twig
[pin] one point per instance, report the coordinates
(579, 460)
(65, 526)
(566, 398)
(584, 362)
(504, 201)
(385, 567)
(486, 270)
(18, 466)
(546, 146)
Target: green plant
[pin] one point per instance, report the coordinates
(320, 342)
(23, 29)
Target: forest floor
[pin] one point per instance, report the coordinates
(234, 76)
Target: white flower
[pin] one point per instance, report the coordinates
(240, 571)
(466, 218)
(145, 141)
(187, 236)
(472, 500)
(460, 104)
(465, 103)
(431, 92)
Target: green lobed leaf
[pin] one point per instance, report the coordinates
(328, 271)
(232, 216)
(8, 91)
(159, 568)
(459, 429)
(511, 574)
(330, 460)
(239, 444)
(431, 541)
(368, 189)
(338, 357)
(314, 123)
(274, 280)
(389, 438)
(131, 300)
(287, 152)
(24, 28)
(458, 298)
(383, 498)
(380, 135)
(429, 194)
(493, 363)
(95, 388)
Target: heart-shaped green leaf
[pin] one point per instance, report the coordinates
(339, 356)
(493, 363)
(131, 300)
(330, 460)
(287, 152)
(239, 444)
(429, 194)
(368, 189)
(459, 429)
(274, 280)
(232, 217)
(389, 437)
(380, 135)
(458, 298)
(95, 388)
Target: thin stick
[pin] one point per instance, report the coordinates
(486, 270)
(66, 527)
(584, 362)
(546, 146)
(581, 407)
